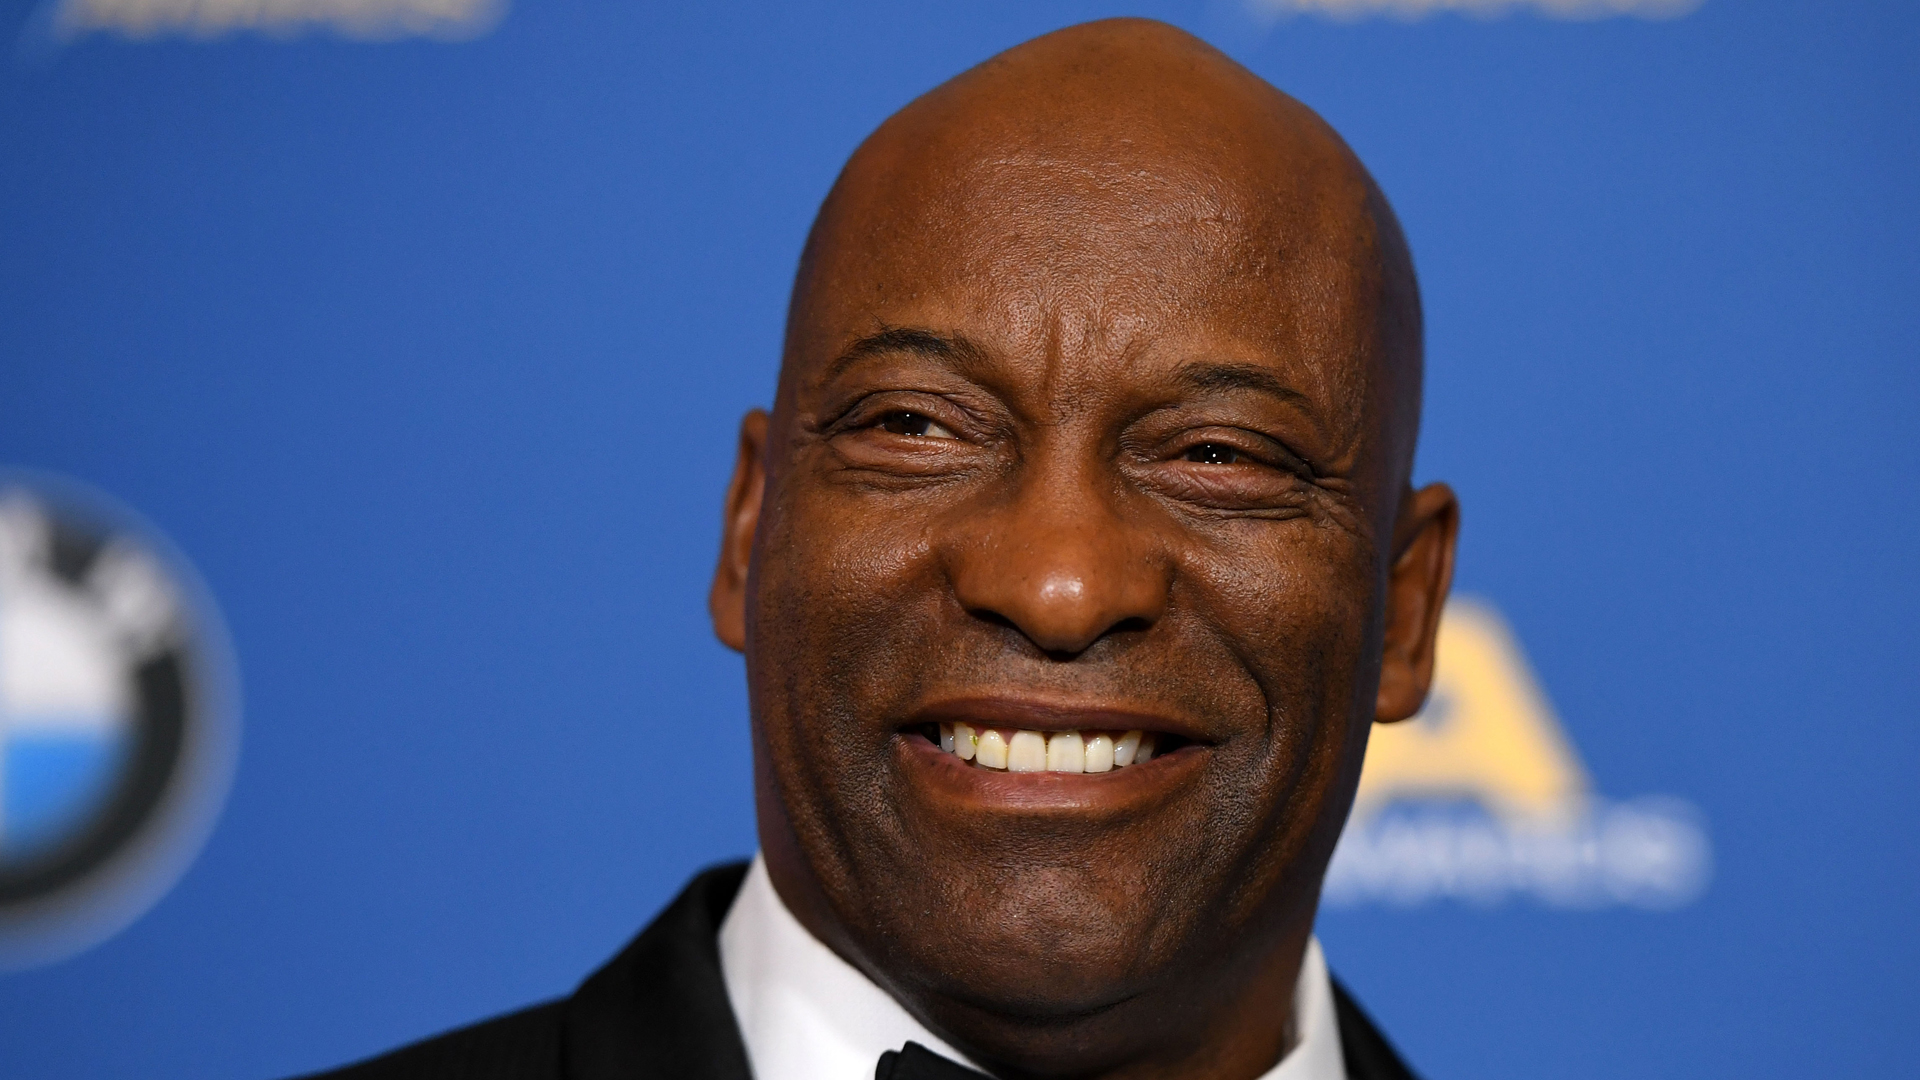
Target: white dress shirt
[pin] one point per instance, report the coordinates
(806, 1014)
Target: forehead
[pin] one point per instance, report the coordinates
(1108, 243)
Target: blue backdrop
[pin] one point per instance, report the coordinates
(429, 354)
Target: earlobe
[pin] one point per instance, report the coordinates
(1417, 584)
(727, 601)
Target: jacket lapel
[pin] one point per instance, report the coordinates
(1368, 1054)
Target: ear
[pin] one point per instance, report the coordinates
(727, 602)
(1424, 535)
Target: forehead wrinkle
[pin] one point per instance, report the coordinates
(1085, 350)
(1179, 247)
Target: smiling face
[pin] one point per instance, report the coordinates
(1068, 564)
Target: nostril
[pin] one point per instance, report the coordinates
(1131, 625)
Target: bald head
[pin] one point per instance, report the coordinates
(1118, 160)
(1078, 556)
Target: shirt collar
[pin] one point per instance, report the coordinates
(806, 1014)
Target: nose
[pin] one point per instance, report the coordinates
(1063, 565)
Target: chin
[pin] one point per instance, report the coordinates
(1047, 925)
(1049, 942)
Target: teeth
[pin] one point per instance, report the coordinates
(1066, 752)
(964, 741)
(1037, 751)
(1027, 752)
(991, 750)
(1100, 754)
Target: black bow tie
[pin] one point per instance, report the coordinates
(916, 1062)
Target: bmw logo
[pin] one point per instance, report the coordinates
(117, 717)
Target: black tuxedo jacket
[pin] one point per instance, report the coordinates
(659, 1011)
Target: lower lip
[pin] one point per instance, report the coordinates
(1123, 788)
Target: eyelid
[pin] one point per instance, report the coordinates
(1265, 449)
(871, 409)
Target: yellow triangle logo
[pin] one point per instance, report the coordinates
(1486, 733)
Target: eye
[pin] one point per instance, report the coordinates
(1212, 453)
(913, 423)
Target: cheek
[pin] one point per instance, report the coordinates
(1294, 598)
(1294, 604)
(840, 594)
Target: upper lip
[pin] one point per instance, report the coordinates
(1044, 714)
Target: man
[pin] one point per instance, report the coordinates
(1072, 566)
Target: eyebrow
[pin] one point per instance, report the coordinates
(954, 350)
(1219, 378)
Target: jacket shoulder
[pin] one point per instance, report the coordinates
(657, 1011)
(524, 1045)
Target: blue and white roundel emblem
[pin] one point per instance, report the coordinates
(116, 720)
